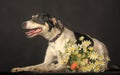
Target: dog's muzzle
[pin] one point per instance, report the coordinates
(31, 32)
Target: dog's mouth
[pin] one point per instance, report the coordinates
(31, 32)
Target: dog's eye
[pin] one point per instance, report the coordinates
(38, 20)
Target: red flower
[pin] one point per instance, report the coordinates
(74, 66)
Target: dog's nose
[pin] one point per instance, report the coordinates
(24, 25)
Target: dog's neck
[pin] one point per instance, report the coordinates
(55, 38)
(53, 35)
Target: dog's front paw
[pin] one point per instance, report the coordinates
(16, 69)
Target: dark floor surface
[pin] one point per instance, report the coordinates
(109, 72)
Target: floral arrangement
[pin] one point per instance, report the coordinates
(82, 57)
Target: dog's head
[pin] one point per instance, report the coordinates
(41, 24)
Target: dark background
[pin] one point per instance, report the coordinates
(98, 18)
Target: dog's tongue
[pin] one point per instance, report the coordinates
(31, 32)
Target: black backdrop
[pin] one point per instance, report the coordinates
(98, 18)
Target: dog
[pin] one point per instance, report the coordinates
(57, 35)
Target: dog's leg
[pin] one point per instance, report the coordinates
(28, 68)
(40, 67)
(49, 59)
(59, 67)
(49, 67)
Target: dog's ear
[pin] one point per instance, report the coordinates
(61, 26)
(57, 23)
(53, 21)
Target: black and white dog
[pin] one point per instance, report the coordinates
(57, 35)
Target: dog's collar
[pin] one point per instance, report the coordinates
(55, 38)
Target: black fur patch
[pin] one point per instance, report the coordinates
(42, 18)
(78, 35)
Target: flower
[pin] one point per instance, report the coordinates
(79, 55)
(85, 49)
(90, 48)
(93, 55)
(75, 53)
(64, 61)
(99, 63)
(86, 68)
(68, 50)
(74, 65)
(72, 48)
(86, 43)
(83, 69)
(97, 69)
(84, 62)
(79, 47)
(101, 57)
(82, 57)
(81, 38)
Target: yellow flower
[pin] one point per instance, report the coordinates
(99, 63)
(85, 68)
(81, 38)
(97, 69)
(84, 62)
(68, 50)
(86, 43)
(92, 65)
(83, 55)
(72, 48)
(85, 49)
(90, 48)
(79, 47)
(64, 61)
(93, 55)
(89, 68)
(102, 63)
(79, 55)
(101, 57)
(75, 53)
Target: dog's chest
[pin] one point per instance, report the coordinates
(57, 47)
